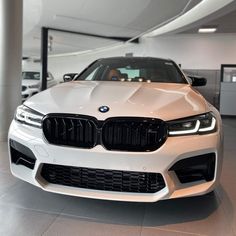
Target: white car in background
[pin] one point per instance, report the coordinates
(127, 129)
(31, 83)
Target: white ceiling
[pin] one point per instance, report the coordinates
(224, 24)
(205, 13)
(112, 18)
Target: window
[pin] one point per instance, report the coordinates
(29, 75)
(133, 70)
(130, 73)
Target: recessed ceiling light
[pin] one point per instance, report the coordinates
(207, 30)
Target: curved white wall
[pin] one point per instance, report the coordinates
(195, 51)
(191, 51)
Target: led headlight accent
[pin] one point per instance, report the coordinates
(193, 125)
(209, 128)
(186, 128)
(28, 116)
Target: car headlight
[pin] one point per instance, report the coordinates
(28, 116)
(36, 86)
(205, 123)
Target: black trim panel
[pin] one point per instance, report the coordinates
(21, 155)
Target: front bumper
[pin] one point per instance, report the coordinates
(159, 161)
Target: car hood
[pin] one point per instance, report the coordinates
(28, 82)
(161, 100)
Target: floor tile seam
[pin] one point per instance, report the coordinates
(175, 231)
(7, 189)
(224, 209)
(165, 229)
(48, 227)
(29, 209)
(97, 220)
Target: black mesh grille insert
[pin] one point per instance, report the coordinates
(118, 133)
(99, 179)
(70, 131)
(133, 134)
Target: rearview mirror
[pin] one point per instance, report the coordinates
(69, 77)
(197, 80)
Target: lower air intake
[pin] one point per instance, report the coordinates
(100, 179)
(21, 155)
(195, 168)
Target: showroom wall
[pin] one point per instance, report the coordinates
(205, 51)
(191, 51)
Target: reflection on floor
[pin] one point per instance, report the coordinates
(27, 210)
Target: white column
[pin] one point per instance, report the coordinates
(11, 12)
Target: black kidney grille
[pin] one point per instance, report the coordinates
(100, 179)
(70, 131)
(133, 134)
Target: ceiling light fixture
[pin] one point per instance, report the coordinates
(207, 30)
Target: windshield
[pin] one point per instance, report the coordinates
(133, 70)
(30, 75)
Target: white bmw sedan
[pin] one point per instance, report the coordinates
(125, 129)
(31, 83)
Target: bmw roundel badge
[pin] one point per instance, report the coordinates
(104, 109)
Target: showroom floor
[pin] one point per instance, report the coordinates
(27, 210)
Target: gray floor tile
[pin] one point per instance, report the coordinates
(106, 211)
(229, 163)
(21, 222)
(4, 159)
(68, 225)
(228, 205)
(229, 138)
(229, 121)
(229, 143)
(153, 231)
(7, 181)
(24, 195)
(198, 215)
(227, 191)
(3, 147)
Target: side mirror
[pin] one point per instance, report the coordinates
(197, 80)
(68, 77)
